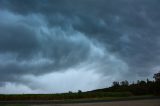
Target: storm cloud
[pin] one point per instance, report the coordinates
(44, 42)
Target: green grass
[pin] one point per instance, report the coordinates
(93, 99)
(65, 96)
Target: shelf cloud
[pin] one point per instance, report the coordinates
(87, 44)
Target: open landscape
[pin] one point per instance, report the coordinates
(143, 102)
(145, 93)
(79, 52)
(155, 102)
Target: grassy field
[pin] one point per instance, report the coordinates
(64, 96)
(106, 100)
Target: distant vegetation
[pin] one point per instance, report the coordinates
(139, 88)
(65, 96)
(118, 89)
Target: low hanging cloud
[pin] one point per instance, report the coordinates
(95, 41)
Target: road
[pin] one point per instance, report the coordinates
(129, 102)
(148, 102)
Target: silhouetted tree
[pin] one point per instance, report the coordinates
(79, 91)
(157, 76)
(124, 83)
(116, 84)
(70, 92)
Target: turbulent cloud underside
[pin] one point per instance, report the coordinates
(59, 46)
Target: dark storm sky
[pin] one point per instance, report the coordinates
(61, 45)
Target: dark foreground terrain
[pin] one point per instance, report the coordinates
(146, 102)
(155, 102)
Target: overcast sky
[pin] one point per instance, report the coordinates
(52, 46)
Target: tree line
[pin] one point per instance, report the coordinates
(118, 89)
(141, 87)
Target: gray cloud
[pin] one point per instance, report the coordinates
(35, 49)
(113, 38)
